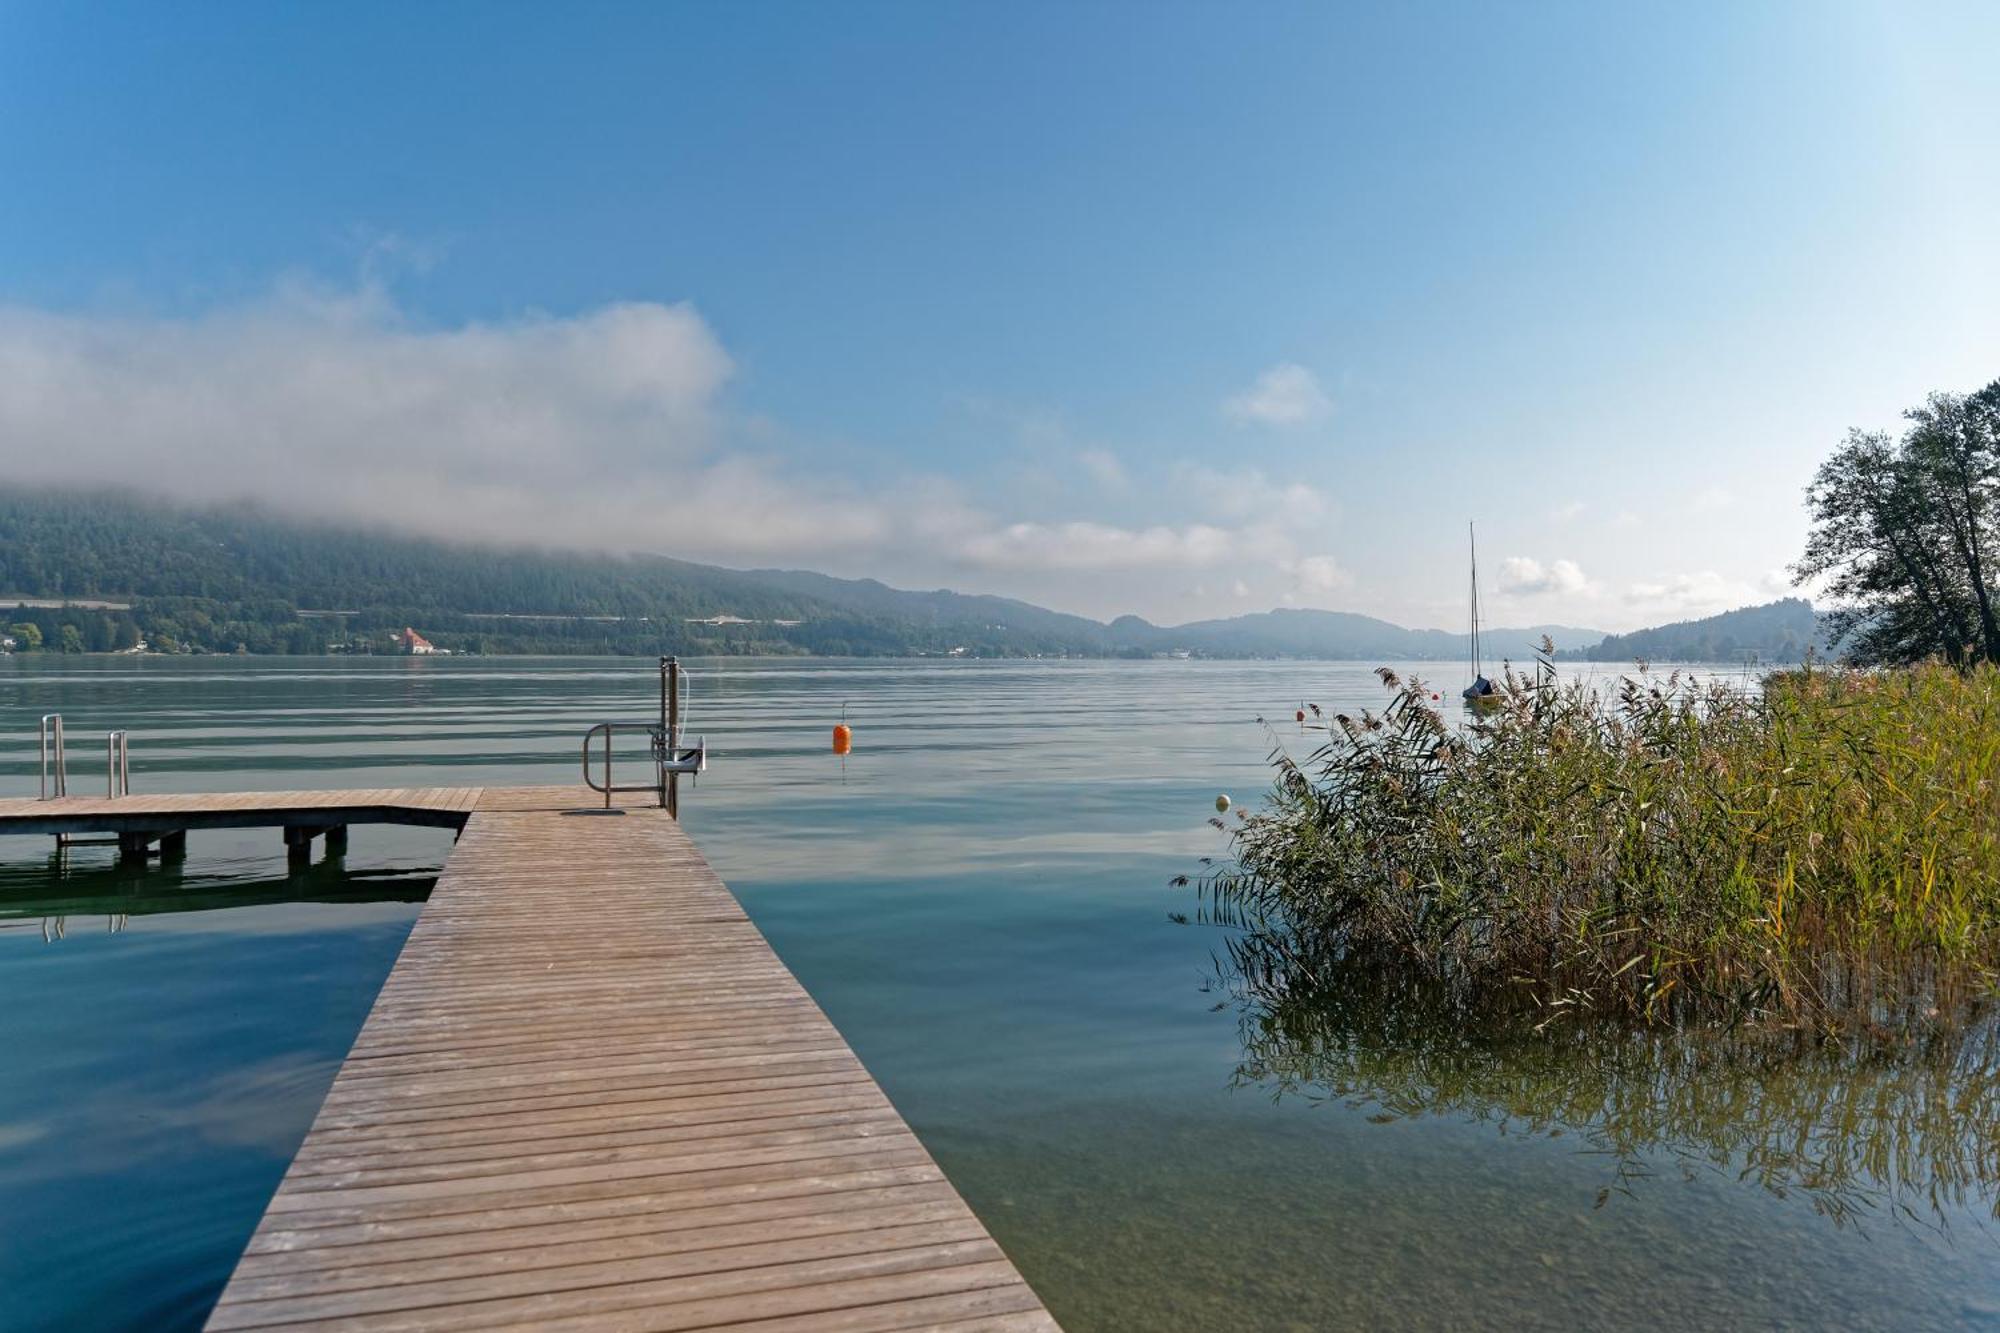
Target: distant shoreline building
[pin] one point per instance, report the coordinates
(726, 619)
(412, 644)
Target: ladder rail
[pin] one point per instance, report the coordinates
(117, 763)
(52, 749)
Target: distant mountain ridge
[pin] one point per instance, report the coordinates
(1296, 632)
(1284, 632)
(940, 606)
(239, 577)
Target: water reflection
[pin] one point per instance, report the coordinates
(68, 885)
(1862, 1130)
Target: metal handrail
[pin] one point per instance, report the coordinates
(607, 786)
(117, 764)
(52, 744)
(670, 757)
(667, 764)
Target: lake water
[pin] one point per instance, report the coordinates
(979, 897)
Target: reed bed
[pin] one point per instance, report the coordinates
(1822, 852)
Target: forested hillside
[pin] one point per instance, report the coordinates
(221, 578)
(1779, 631)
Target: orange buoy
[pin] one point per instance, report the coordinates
(843, 738)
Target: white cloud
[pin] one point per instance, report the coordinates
(1713, 499)
(1527, 577)
(606, 429)
(1565, 513)
(1701, 593)
(602, 429)
(1320, 573)
(597, 429)
(1103, 467)
(1248, 495)
(1285, 395)
(1078, 546)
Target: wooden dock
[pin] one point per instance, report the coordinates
(589, 1096)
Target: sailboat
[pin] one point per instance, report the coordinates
(1481, 693)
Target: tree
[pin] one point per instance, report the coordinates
(28, 636)
(72, 639)
(1905, 532)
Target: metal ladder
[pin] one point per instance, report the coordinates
(55, 765)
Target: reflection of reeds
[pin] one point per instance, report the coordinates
(1824, 851)
(1911, 1132)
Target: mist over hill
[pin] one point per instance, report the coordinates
(241, 578)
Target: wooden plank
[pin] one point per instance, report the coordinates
(711, 1199)
(590, 1096)
(722, 1222)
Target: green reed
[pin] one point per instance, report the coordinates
(1825, 851)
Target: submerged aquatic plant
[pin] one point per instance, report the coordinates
(1824, 852)
(1857, 1130)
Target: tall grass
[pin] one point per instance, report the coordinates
(1823, 852)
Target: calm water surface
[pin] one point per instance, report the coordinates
(978, 896)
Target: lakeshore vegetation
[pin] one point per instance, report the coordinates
(1825, 852)
(1821, 853)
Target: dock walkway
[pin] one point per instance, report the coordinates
(590, 1096)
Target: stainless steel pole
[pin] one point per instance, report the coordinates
(55, 781)
(672, 668)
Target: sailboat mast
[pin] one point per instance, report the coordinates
(1472, 548)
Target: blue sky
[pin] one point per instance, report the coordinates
(1183, 310)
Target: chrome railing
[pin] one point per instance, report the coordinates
(671, 758)
(55, 761)
(117, 763)
(52, 750)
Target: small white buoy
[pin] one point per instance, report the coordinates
(1222, 805)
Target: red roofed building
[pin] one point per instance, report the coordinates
(413, 643)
